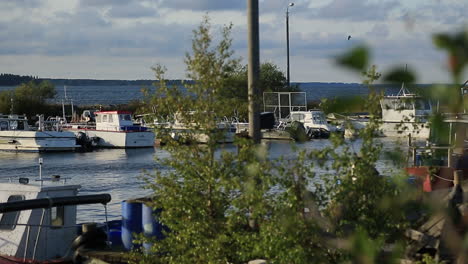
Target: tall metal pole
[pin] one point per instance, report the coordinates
(253, 70)
(287, 44)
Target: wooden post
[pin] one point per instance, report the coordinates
(253, 69)
(457, 177)
(449, 157)
(414, 155)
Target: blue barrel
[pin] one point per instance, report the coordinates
(151, 226)
(131, 223)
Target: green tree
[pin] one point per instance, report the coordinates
(28, 98)
(272, 79)
(234, 206)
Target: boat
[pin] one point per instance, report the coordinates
(17, 135)
(38, 221)
(315, 123)
(189, 132)
(403, 114)
(112, 129)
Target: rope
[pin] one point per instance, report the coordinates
(441, 178)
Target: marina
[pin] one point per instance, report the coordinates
(119, 171)
(120, 142)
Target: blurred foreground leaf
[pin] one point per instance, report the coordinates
(356, 59)
(400, 75)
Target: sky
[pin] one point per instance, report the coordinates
(123, 39)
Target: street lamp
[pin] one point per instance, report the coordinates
(287, 42)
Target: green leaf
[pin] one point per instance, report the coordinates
(443, 41)
(356, 59)
(400, 75)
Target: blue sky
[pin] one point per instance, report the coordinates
(122, 39)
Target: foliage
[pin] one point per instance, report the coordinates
(28, 98)
(271, 79)
(7, 79)
(235, 205)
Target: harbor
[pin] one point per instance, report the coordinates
(120, 171)
(344, 140)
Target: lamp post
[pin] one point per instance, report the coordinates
(287, 43)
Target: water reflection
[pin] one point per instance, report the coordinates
(119, 171)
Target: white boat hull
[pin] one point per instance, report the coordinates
(200, 137)
(120, 139)
(392, 129)
(37, 141)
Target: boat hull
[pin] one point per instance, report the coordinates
(392, 129)
(120, 139)
(37, 141)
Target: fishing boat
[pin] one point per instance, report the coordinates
(113, 129)
(183, 131)
(17, 135)
(403, 114)
(314, 122)
(38, 220)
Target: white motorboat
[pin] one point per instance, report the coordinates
(17, 135)
(314, 122)
(403, 114)
(179, 130)
(113, 129)
(38, 220)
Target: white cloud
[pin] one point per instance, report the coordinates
(125, 37)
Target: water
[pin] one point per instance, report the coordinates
(119, 171)
(121, 94)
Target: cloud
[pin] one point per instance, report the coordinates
(134, 10)
(438, 12)
(205, 5)
(104, 3)
(356, 10)
(8, 4)
(379, 31)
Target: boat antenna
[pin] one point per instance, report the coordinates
(40, 169)
(11, 106)
(403, 90)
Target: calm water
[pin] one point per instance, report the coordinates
(118, 171)
(106, 95)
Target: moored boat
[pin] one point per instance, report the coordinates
(314, 122)
(17, 135)
(38, 221)
(402, 115)
(114, 129)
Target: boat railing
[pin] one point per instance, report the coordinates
(46, 204)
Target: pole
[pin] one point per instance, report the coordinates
(287, 48)
(253, 69)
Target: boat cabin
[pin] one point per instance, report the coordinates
(116, 121)
(405, 107)
(39, 234)
(13, 122)
(313, 119)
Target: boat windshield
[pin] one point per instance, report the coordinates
(422, 104)
(126, 117)
(3, 125)
(298, 117)
(16, 125)
(319, 118)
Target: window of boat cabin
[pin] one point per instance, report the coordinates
(422, 104)
(319, 118)
(298, 117)
(57, 216)
(111, 119)
(127, 117)
(3, 125)
(9, 220)
(13, 125)
(104, 118)
(98, 118)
